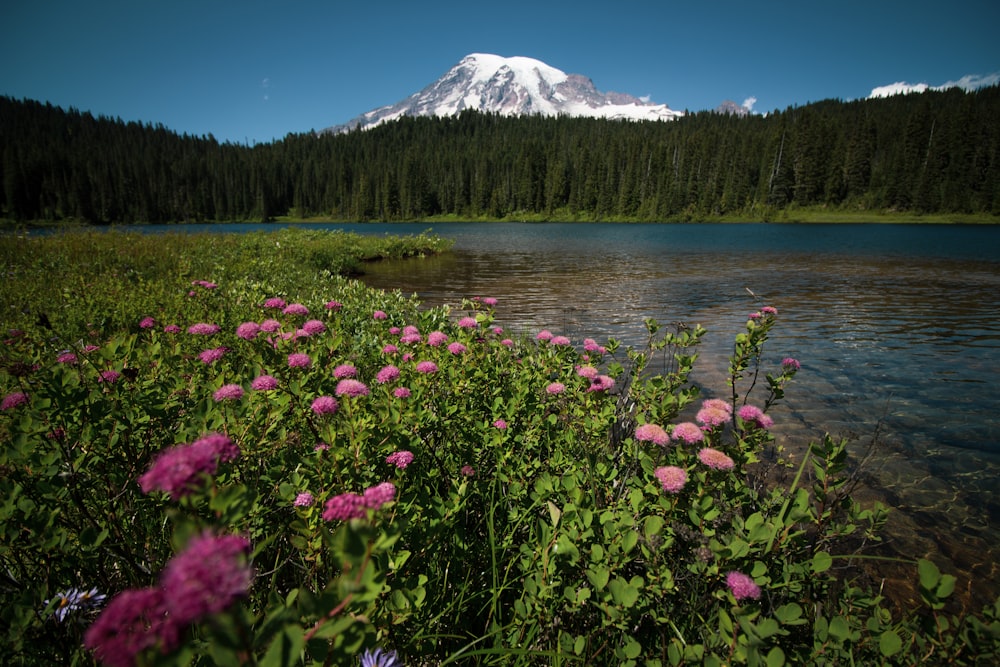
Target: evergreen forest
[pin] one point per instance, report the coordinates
(937, 152)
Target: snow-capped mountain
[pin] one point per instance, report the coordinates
(512, 86)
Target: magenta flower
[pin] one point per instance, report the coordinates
(264, 383)
(66, 358)
(507, 342)
(379, 495)
(134, 621)
(468, 323)
(248, 330)
(147, 323)
(212, 355)
(352, 388)
(555, 388)
(468, 471)
(270, 326)
(671, 478)
(561, 341)
(275, 302)
(714, 412)
(204, 329)
(299, 360)
(400, 459)
(590, 345)
(790, 364)
(228, 392)
(410, 339)
(544, 334)
(345, 371)
(13, 400)
(715, 459)
(754, 415)
(489, 301)
(588, 372)
(324, 405)
(313, 327)
(742, 586)
(109, 376)
(456, 348)
(601, 383)
(207, 577)
(401, 392)
(379, 315)
(427, 367)
(344, 507)
(390, 349)
(171, 329)
(436, 338)
(652, 433)
(304, 499)
(178, 470)
(205, 284)
(387, 374)
(769, 310)
(688, 432)
(500, 424)
(333, 305)
(295, 309)
(408, 330)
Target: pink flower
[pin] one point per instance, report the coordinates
(436, 338)
(295, 309)
(401, 392)
(790, 364)
(228, 392)
(489, 301)
(652, 433)
(275, 302)
(769, 310)
(109, 376)
(390, 349)
(601, 383)
(171, 329)
(560, 340)
(590, 345)
(400, 459)
(427, 367)
(304, 499)
(248, 330)
(204, 284)
(333, 305)
(456, 348)
(264, 383)
(379, 495)
(212, 355)
(715, 459)
(270, 326)
(178, 470)
(66, 358)
(714, 412)
(344, 507)
(507, 342)
(147, 323)
(204, 329)
(500, 424)
(468, 323)
(672, 478)
(742, 586)
(345, 371)
(207, 577)
(313, 327)
(409, 329)
(13, 400)
(544, 334)
(588, 372)
(753, 415)
(134, 621)
(324, 405)
(387, 374)
(688, 432)
(352, 388)
(299, 360)
(409, 339)
(468, 471)
(555, 388)
(379, 315)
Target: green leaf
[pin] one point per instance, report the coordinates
(775, 657)
(929, 574)
(890, 643)
(286, 649)
(821, 562)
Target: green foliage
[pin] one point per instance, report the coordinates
(537, 522)
(933, 153)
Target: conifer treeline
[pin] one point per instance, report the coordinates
(935, 152)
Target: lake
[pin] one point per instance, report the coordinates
(897, 328)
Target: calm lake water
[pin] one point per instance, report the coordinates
(897, 328)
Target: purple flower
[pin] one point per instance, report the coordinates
(456, 348)
(248, 330)
(380, 658)
(379, 495)
(714, 412)
(212, 355)
(13, 400)
(715, 459)
(264, 383)
(652, 433)
(299, 360)
(147, 323)
(436, 338)
(400, 459)
(390, 349)
(345, 371)
(207, 577)
(588, 372)
(333, 305)
(790, 364)
(753, 415)
(352, 388)
(295, 309)
(590, 345)
(468, 471)
(401, 392)
(178, 470)
(344, 507)
(544, 334)
(204, 329)
(379, 315)
(742, 586)
(171, 329)
(204, 284)
(228, 392)
(427, 367)
(75, 600)
(500, 424)
(275, 302)
(601, 383)
(468, 323)
(270, 326)
(387, 374)
(489, 301)
(304, 499)
(560, 340)
(672, 478)
(134, 621)
(555, 388)
(688, 432)
(66, 358)
(769, 310)
(507, 342)
(109, 376)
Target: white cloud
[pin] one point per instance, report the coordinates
(967, 82)
(749, 102)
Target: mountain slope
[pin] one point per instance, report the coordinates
(512, 87)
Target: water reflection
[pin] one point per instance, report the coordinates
(896, 327)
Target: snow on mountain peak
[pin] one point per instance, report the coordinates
(513, 86)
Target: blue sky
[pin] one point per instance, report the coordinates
(253, 71)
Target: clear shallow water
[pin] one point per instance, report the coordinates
(897, 325)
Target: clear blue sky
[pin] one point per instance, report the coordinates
(250, 70)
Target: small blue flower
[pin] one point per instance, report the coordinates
(380, 658)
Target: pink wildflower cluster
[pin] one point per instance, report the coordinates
(379, 315)
(324, 405)
(555, 388)
(204, 284)
(304, 499)
(109, 376)
(715, 459)
(753, 415)
(387, 374)
(468, 323)
(211, 574)
(742, 586)
(436, 338)
(401, 392)
(147, 323)
(348, 506)
(13, 400)
(275, 303)
(295, 309)
(790, 364)
(427, 367)
(500, 424)
(228, 392)
(456, 348)
(299, 360)
(248, 330)
(204, 329)
(345, 371)
(672, 479)
(352, 388)
(714, 412)
(688, 432)
(212, 355)
(652, 433)
(590, 345)
(544, 335)
(400, 459)
(264, 383)
(333, 305)
(179, 470)
(601, 383)
(313, 327)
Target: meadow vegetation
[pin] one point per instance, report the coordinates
(218, 449)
